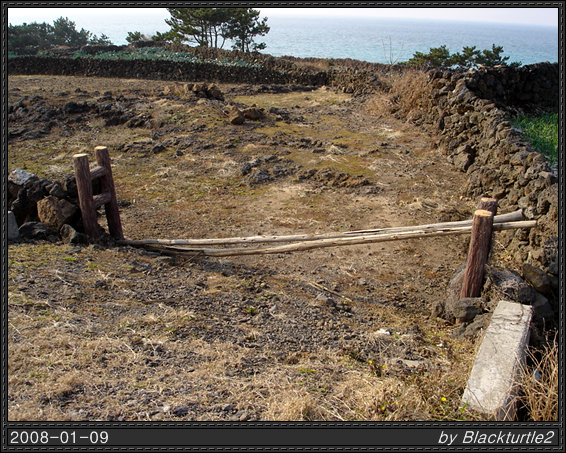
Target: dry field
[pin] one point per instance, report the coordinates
(106, 332)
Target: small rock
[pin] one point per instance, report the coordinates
(252, 113)
(13, 232)
(261, 176)
(57, 191)
(383, 332)
(540, 280)
(70, 185)
(550, 255)
(542, 308)
(180, 411)
(159, 148)
(236, 116)
(55, 212)
(480, 323)
(72, 236)
(510, 286)
(37, 230)
(212, 91)
(466, 309)
(437, 309)
(21, 177)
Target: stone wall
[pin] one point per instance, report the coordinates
(162, 70)
(470, 112)
(270, 71)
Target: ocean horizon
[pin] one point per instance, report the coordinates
(372, 39)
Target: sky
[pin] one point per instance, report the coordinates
(534, 16)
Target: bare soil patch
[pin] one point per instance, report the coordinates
(105, 332)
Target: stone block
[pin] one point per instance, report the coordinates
(495, 378)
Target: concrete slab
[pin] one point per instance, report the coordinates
(493, 384)
(13, 232)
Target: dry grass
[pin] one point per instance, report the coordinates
(405, 93)
(89, 353)
(540, 384)
(117, 334)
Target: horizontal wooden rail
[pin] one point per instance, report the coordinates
(510, 217)
(415, 232)
(98, 172)
(101, 200)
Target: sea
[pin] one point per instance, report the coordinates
(372, 39)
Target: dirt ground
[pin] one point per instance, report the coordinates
(106, 332)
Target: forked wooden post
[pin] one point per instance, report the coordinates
(89, 203)
(107, 186)
(480, 243)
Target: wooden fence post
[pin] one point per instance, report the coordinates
(84, 189)
(89, 203)
(107, 186)
(488, 204)
(480, 242)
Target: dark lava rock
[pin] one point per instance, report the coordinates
(466, 309)
(38, 230)
(540, 280)
(180, 411)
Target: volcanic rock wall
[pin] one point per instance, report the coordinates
(161, 70)
(469, 111)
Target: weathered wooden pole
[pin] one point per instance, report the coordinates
(480, 243)
(488, 204)
(107, 187)
(84, 188)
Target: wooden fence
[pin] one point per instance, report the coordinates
(481, 227)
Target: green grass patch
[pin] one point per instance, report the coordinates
(541, 131)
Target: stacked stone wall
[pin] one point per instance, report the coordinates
(162, 70)
(470, 111)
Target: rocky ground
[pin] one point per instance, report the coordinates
(110, 332)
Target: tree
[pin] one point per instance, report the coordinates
(243, 26)
(168, 36)
(102, 41)
(202, 26)
(467, 58)
(440, 57)
(210, 27)
(63, 32)
(135, 37)
(29, 39)
(492, 57)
